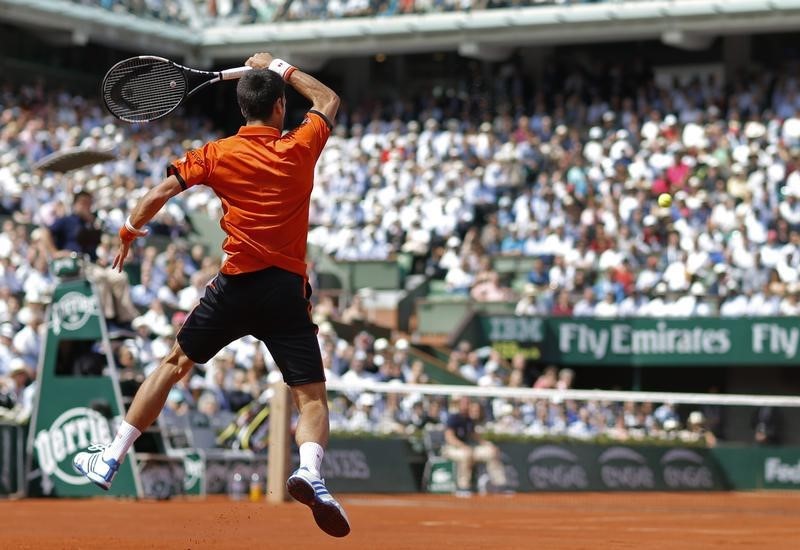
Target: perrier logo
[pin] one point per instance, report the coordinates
(72, 431)
(72, 311)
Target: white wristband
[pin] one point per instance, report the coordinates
(129, 227)
(280, 66)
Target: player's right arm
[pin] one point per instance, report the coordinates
(323, 100)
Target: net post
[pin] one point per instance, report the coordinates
(279, 443)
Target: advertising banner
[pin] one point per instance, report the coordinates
(591, 467)
(760, 467)
(75, 410)
(645, 342)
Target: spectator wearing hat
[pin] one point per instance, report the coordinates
(790, 305)
(696, 430)
(528, 304)
(7, 352)
(28, 341)
(19, 392)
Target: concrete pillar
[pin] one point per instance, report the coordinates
(736, 53)
(533, 60)
(357, 76)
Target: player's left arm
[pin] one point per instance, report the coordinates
(147, 207)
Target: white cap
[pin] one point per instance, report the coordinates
(366, 399)
(696, 417)
(381, 344)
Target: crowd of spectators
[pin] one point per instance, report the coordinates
(570, 180)
(169, 11)
(454, 179)
(238, 12)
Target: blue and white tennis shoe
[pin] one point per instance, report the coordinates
(309, 489)
(91, 464)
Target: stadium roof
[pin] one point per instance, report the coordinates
(489, 34)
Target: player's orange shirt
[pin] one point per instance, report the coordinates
(264, 181)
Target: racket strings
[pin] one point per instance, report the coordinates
(138, 90)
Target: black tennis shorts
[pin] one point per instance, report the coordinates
(272, 305)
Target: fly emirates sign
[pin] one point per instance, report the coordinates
(624, 339)
(644, 341)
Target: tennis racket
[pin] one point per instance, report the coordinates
(146, 87)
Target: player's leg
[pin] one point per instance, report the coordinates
(312, 425)
(207, 329)
(291, 338)
(490, 455)
(298, 357)
(306, 484)
(100, 464)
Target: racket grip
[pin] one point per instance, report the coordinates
(234, 74)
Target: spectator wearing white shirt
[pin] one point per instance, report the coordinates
(790, 305)
(143, 293)
(607, 307)
(472, 370)
(528, 304)
(735, 305)
(650, 275)
(156, 319)
(28, 341)
(789, 209)
(189, 297)
(657, 306)
(357, 370)
(7, 334)
(585, 306)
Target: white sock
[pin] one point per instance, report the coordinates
(311, 456)
(126, 435)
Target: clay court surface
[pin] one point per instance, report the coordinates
(546, 521)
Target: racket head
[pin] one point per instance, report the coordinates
(143, 88)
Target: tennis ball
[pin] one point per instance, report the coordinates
(664, 200)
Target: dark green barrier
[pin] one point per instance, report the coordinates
(645, 342)
(12, 458)
(377, 274)
(372, 465)
(442, 315)
(351, 465)
(760, 467)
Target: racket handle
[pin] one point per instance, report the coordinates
(233, 74)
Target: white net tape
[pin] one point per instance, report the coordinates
(565, 395)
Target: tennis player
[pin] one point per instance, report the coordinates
(264, 181)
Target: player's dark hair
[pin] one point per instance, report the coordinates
(257, 92)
